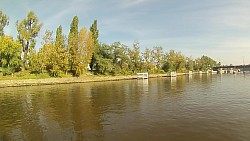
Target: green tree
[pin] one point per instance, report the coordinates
(104, 59)
(36, 62)
(48, 52)
(120, 58)
(205, 63)
(28, 30)
(148, 59)
(61, 51)
(189, 64)
(175, 62)
(158, 57)
(10, 52)
(95, 34)
(73, 45)
(47, 57)
(135, 58)
(4, 21)
(53, 55)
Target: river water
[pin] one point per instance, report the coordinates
(195, 108)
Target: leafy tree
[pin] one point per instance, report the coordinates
(204, 63)
(81, 52)
(135, 58)
(120, 58)
(73, 45)
(180, 62)
(95, 34)
(4, 21)
(104, 59)
(158, 57)
(189, 64)
(53, 57)
(175, 62)
(61, 51)
(85, 50)
(36, 62)
(148, 59)
(28, 30)
(104, 65)
(10, 52)
(48, 50)
(47, 58)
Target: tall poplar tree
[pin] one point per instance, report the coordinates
(89, 48)
(85, 50)
(95, 34)
(73, 45)
(62, 53)
(4, 21)
(28, 30)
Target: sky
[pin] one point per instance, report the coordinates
(219, 29)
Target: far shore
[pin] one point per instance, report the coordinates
(69, 80)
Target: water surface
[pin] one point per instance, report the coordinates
(200, 107)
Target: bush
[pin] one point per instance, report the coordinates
(7, 71)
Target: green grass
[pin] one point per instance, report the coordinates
(27, 75)
(23, 75)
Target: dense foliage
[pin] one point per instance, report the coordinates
(28, 30)
(81, 52)
(9, 55)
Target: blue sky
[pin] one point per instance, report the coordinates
(216, 28)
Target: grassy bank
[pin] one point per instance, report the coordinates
(44, 80)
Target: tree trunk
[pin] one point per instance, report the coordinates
(25, 54)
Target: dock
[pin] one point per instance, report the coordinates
(172, 74)
(142, 75)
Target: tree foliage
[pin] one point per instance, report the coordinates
(205, 63)
(148, 60)
(135, 58)
(175, 62)
(104, 58)
(73, 45)
(37, 64)
(84, 51)
(28, 30)
(81, 49)
(4, 21)
(10, 52)
(157, 57)
(95, 35)
(95, 32)
(61, 50)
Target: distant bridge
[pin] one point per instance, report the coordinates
(240, 68)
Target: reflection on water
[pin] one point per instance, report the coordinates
(196, 107)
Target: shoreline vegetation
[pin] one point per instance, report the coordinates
(79, 57)
(71, 80)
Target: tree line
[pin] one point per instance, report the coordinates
(80, 52)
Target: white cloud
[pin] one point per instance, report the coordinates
(209, 27)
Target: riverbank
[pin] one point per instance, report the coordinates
(69, 80)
